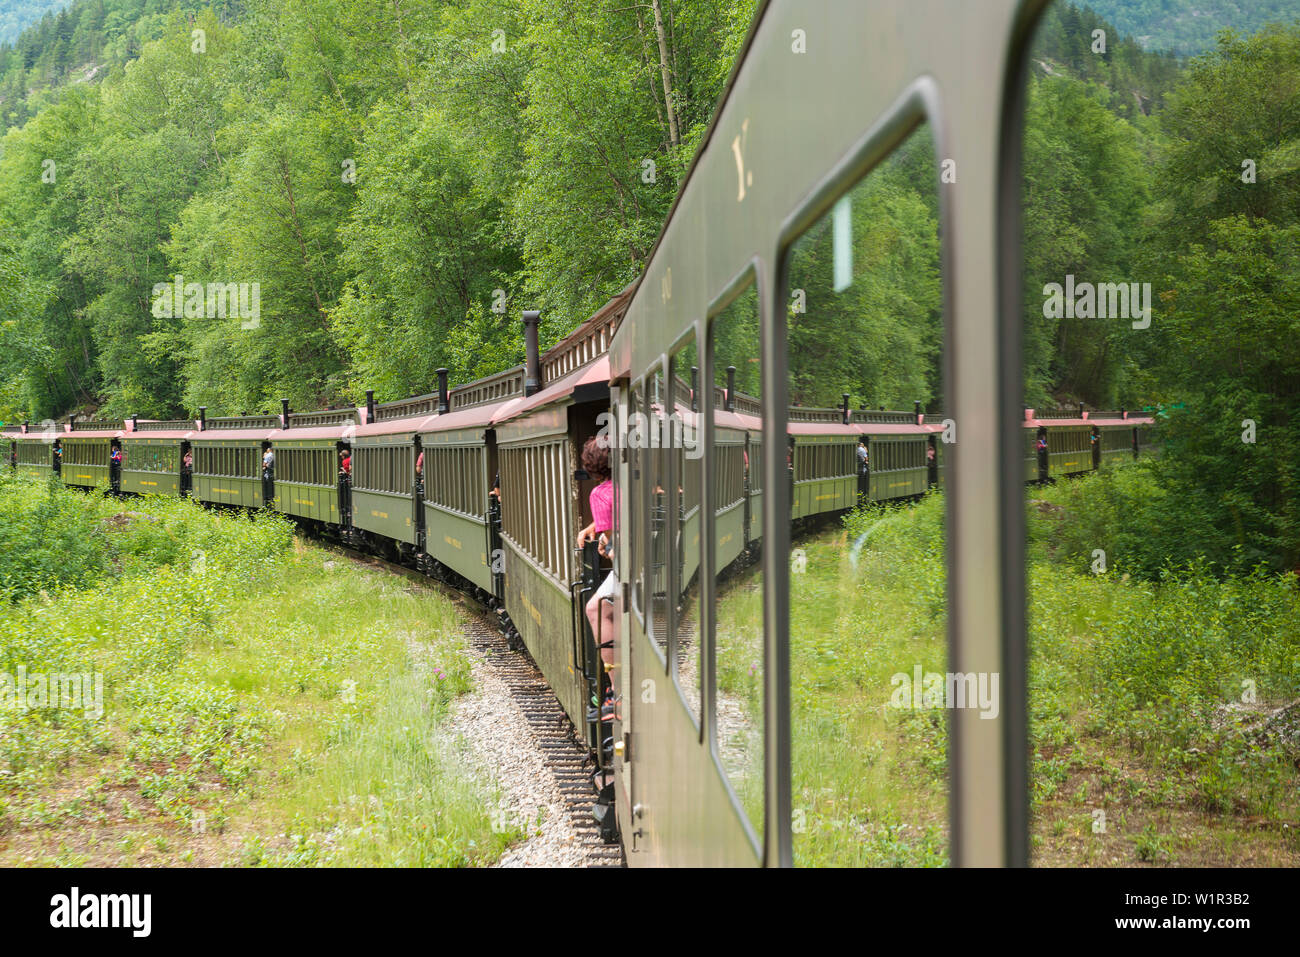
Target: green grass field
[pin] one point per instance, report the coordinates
(264, 702)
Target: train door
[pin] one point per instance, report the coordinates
(268, 474)
(1094, 438)
(115, 466)
(417, 495)
(496, 554)
(344, 455)
(186, 465)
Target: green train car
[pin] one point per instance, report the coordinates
(544, 502)
(1116, 444)
(153, 457)
(460, 462)
(1069, 450)
(35, 453)
(898, 466)
(1034, 462)
(384, 499)
(825, 472)
(308, 455)
(87, 454)
(228, 460)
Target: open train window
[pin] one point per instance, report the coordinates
(737, 646)
(636, 518)
(685, 516)
(655, 509)
(869, 678)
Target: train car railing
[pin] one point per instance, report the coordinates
(163, 425)
(98, 425)
(496, 388)
(587, 343)
(881, 417)
(407, 408)
(323, 419)
(234, 422)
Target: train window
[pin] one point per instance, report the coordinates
(684, 514)
(636, 519)
(657, 530)
(738, 649)
(869, 683)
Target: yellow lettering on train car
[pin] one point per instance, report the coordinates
(532, 611)
(84, 476)
(379, 514)
(451, 541)
(300, 501)
(153, 484)
(722, 541)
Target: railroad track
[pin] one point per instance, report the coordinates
(564, 756)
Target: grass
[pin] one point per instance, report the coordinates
(263, 702)
(1164, 716)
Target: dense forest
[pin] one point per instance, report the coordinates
(17, 15)
(400, 179)
(84, 42)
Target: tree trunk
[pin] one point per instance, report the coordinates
(673, 133)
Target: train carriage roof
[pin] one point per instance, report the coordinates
(260, 434)
(477, 416)
(164, 434)
(1101, 420)
(95, 434)
(862, 428)
(408, 426)
(323, 433)
(133, 431)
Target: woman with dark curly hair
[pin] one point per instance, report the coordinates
(595, 460)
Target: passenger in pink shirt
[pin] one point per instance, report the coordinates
(595, 459)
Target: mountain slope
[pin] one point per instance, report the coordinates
(18, 15)
(1190, 26)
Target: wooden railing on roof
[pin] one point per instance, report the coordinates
(325, 417)
(587, 343)
(243, 422)
(495, 388)
(882, 417)
(407, 408)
